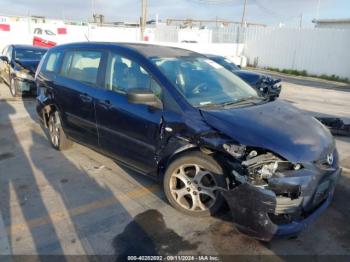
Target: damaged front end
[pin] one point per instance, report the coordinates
(269, 88)
(270, 196)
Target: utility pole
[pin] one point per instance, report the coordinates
(301, 21)
(143, 18)
(93, 7)
(243, 15)
(318, 9)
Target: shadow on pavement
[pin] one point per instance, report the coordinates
(19, 188)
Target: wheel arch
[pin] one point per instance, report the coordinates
(187, 149)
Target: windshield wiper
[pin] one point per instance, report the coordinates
(244, 101)
(247, 100)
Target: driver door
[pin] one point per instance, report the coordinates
(128, 132)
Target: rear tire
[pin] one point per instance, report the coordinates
(192, 184)
(58, 138)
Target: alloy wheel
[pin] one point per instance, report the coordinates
(54, 130)
(193, 187)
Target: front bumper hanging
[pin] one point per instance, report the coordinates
(259, 213)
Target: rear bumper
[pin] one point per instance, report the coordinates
(258, 212)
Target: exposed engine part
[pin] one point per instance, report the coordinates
(264, 166)
(252, 154)
(260, 160)
(236, 151)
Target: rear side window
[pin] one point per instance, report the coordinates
(81, 66)
(51, 64)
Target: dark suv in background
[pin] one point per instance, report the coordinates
(265, 84)
(185, 120)
(18, 64)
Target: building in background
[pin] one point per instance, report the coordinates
(332, 23)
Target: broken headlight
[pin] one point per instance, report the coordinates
(24, 75)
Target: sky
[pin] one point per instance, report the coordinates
(271, 12)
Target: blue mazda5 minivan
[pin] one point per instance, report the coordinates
(185, 120)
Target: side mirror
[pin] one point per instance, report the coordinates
(4, 59)
(239, 66)
(143, 96)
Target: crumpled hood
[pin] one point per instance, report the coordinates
(276, 126)
(30, 65)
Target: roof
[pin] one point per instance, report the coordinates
(150, 50)
(147, 50)
(29, 47)
(338, 21)
(213, 56)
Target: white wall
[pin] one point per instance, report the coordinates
(19, 34)
(22, 33)
(318, 51)
(231, 51)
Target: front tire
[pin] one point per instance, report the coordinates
(58, 138)
(192, 184)
(13, 88)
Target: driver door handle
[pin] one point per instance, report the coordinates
(85, 98)
(106, 104)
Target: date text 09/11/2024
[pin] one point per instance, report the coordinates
(173, 258)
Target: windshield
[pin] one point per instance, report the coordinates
(29, 54)
(225, 63)
(204, 82)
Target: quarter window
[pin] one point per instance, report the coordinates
(81, 66)
(124, 74)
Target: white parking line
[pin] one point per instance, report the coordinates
(4, 243)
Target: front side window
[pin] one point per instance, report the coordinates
(28, 54)
(81, 66)
(124, 74)
(204, 82)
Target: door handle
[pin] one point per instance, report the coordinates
(85, 98)
(106, 104)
